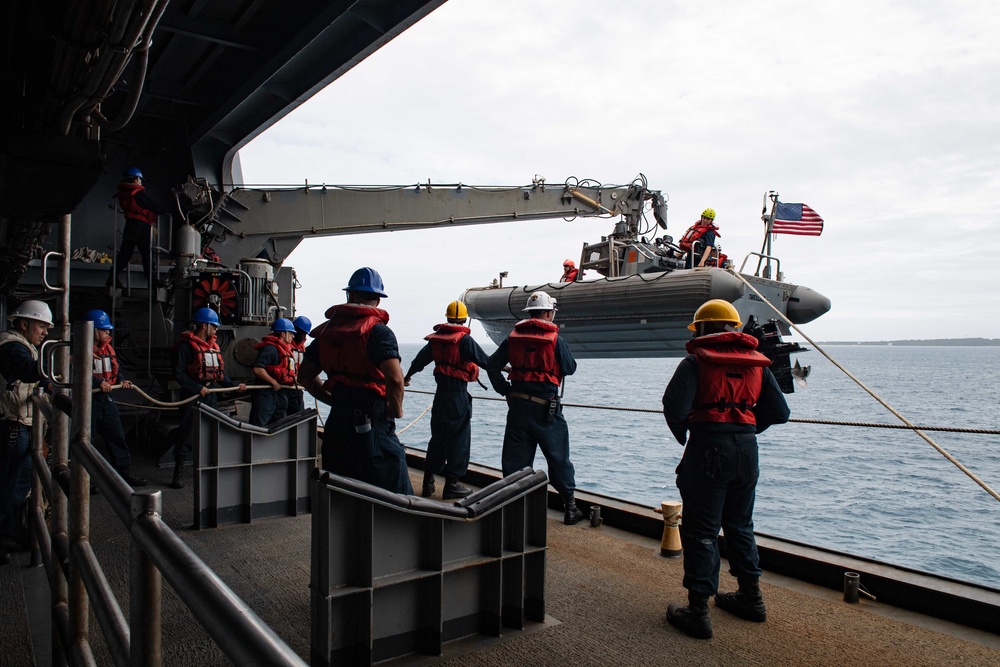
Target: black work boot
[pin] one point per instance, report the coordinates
(133, 480)
(573, 513)
(428, 487)
(452, 489)
(693, 619)
(747, 602)
(178, 481)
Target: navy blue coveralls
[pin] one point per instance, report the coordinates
(106, 421)
(376, 457)
(16, 363)
(529, 423)
(266, 405)
(717, 479)
(191, 387)
(451, 413)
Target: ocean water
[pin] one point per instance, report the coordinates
(877, 493)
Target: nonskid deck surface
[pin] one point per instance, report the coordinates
(606, 592)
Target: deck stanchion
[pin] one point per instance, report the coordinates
(670, 545)
(145, 646)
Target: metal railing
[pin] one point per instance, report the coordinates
(76, 578)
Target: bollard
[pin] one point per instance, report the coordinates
(595, 516)
(852, 581)
(670, 545)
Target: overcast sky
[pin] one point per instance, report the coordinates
(882, 116)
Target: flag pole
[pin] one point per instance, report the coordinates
(765, 247)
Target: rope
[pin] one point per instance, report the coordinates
(910, 425)
(403, 430)
(176, 404)
(659, 411)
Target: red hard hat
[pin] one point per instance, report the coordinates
(570, 263)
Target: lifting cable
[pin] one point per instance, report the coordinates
(909, 425)
(823, 422)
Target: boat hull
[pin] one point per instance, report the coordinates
(643, 315)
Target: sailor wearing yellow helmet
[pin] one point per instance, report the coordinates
(723, 394)
(457, 359)
(699, 240)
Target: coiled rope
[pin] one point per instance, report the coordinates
(916, 429)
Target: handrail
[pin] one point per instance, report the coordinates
(229, 621)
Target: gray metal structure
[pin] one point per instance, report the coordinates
(245, 472)
(394, 575)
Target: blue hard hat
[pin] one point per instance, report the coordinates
(205, 316)
(366, 280)
(303, 323)
(99, 318)
(132, 172)
(282, 324)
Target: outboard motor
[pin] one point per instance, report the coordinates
(769, 344)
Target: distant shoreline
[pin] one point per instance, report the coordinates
(932, 342)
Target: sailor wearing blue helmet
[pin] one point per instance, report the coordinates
(275, 365)
(364, 386)
(293, 397)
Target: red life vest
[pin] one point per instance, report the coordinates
(447, 357)
(126, 199)
(730, 372)
(532, 352)
(695, 232)
(207, 364)
(299, 351)
(343, 342)
(285, 371)
(105, 362)
(569, 277)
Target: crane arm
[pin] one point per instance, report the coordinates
(246, 220)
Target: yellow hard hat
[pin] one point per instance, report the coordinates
(708, 213)
(716, 310)
(456, 311)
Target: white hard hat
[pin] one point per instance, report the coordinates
(540, 301)
(32, 310)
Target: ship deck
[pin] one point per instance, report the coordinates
(606, 593)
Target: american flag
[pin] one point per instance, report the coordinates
(796, 219)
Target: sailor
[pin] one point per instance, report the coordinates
(364, 387)
(29, 324)
(539, 360)
(105, 419)
(699, 240)
(457, 358)
(141, 212)
(275, 366)
(200, 367)
(570, 271)
(722, 394)
(293, 395)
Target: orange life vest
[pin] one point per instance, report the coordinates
(569, 277)
(694, 233)
(207, 364)
(126, 199)
(299, 351)
(343, 342)
(285, 372)
(532, 352)
(730, 373)
(446, 354)
(105, 362)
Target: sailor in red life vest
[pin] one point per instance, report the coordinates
(723, 394)
(539, 360)
(457, 359)
(105, 419)
(570, 272)
(199, 368)
(293, 396)
(275, 365)
(699, 240)
(141, 212)
(364, 387)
